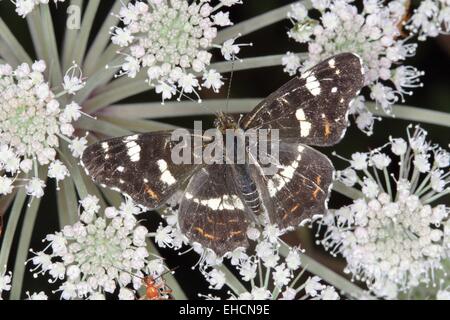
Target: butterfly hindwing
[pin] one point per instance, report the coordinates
(312, 107)
(139, 166)
(212, 211)
(300, 188)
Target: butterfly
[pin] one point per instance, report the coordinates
(220, 201)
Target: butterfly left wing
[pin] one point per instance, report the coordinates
(299, 189)
(312, 107)
(212, 211)
(139, 166)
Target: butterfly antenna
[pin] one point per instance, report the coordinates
(230, 82)
(200, 101)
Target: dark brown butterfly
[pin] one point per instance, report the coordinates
(220, 200)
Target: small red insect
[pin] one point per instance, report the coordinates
(156, 290)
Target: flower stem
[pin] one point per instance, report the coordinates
(11, 227)
(254, 24)
(14, 45)
(24, 242)
(414, 114)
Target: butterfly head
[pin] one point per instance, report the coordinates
(224, 122)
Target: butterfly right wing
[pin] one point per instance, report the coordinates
(312, 107)
(212, 211)
(299, 189)
(139, 166)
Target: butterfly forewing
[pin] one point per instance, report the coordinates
(300, 188)
(312, 107)
(139, 166)
(212, 211)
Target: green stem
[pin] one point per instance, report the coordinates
(91, 63)
(178, 109)
(251, 63)
(414, 114)
(101, 127)
(83, 34)
(137, 125)
(50, 43)
(70, 37)
(11, 227)
(253, 24)
(349, 192)
(14, 45)
(232, 282)
(67, 203)
(24, 242)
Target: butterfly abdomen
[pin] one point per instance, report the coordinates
(248, 188)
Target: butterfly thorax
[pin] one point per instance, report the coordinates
(225, 122)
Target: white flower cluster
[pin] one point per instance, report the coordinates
(267, 269)
(170, 40)
(266, 263)
(98, 255)
(374, 33)
(31, 123)
(393, 237)
(5, 282)
(37, 296)
(430, 19)
(25, 7)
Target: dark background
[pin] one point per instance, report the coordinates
(432, 57)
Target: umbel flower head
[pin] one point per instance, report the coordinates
(374, 33)
(25, 7)
(5, 282)
(99, 254)
(431, 18)
(32, 122)
(394, 237)
(171, 40)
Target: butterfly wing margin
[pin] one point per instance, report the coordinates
(139, 166)
(212, 211)
(314, 106)
(300, 188)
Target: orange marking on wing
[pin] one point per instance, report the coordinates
(318, 189)
(294, 208)
(236, 233)
(152, 194)
(206, 235)
(327, 129)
